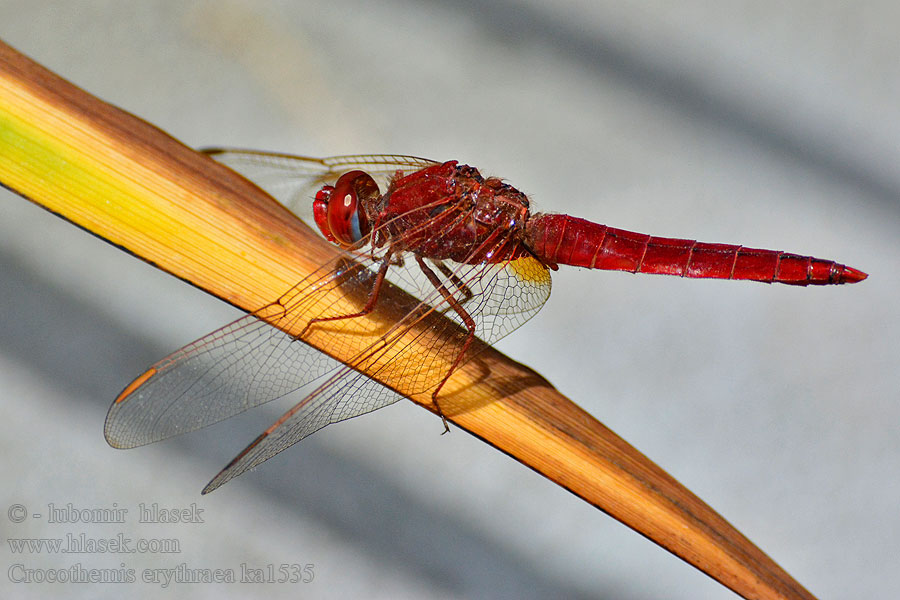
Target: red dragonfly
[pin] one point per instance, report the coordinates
(465, 246)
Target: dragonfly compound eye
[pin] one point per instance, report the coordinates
(320, 211)
(346, 217)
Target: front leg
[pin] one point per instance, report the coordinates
(371, 301)
(453, 278)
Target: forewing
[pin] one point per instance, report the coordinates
(294, 180)
(244, 364)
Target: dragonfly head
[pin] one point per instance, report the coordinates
(340, 210)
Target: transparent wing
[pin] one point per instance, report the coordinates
(242, 365)
(346, 394)
(294, 180)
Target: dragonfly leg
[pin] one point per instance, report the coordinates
(370, 301)
(456, 281)
(467, 320)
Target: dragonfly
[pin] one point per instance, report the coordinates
(464, 248)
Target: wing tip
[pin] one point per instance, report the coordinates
(228, 473)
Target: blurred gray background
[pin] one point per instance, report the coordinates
(771, 124)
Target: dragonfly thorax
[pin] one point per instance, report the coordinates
(450, 211)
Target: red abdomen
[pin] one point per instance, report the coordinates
(561, 239)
